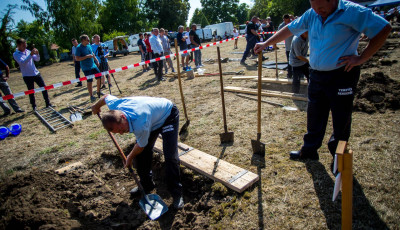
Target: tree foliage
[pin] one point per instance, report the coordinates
(72, 18)
(5, 35)
(199, 18)
(120, 15)
(242, 13)
(168, 14)
(112, 35)
(277, 8)
(217, 11)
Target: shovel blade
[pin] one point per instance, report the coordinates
(153, 206)
(184, 127)
(72, 117)
(226, 137)
(78, 116)
(258, 147)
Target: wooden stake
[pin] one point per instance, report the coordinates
(345, 167)
(179, 79)
(276, 61)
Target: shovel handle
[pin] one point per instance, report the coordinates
(259, 92)
(222, 89)
(276, 61)
(179, 79)
(122, 155)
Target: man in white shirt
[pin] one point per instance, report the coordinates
(189, 43)
(158, 51)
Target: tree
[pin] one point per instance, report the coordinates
(242, 13)
(217, 11)
(199, 18)
(120, 15)
(72, 18)
(5, 34)
(168, 14)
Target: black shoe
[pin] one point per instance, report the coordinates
(6, 113)
(79, 84)
(178, 202)
(161, 79)
(264, 58)
(103, 87)
(301, 155)
(34, 107)
(50, 105)
(19, 110)
(242, 63)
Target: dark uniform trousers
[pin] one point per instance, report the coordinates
(169, 132)
(329, 91)
(251, 42)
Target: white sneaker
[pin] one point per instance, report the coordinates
(197, 67)
(201, 65)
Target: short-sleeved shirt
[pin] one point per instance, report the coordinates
(251, 26)
(82, 51)
(188, 38)
(148, 46)
(95, 49)
(338, 36)
(195, 37)
(182, 44)
(288, 41)
(299, 48)
(165, 43)
(3, 64)
(141, 43)
(144, 114)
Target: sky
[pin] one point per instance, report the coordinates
(20, 14)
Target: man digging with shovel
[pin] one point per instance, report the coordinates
(146, 117)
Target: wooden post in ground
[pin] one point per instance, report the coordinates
(345, 167)
(276, 61)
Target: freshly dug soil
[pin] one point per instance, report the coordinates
(377, 93)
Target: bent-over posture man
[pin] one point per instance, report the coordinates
(147, 117)
(298, 60)
(334, 27)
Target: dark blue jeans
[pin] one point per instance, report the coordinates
(169, 133)
(289, 69)
(329, 91)
(30, 83)
(251, 42)
(298, 73)
(77, 69)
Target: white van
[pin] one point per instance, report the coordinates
(132, 43)
(221, 30)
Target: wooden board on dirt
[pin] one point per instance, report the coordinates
(268, 80)
(268, 93)
(232, 176)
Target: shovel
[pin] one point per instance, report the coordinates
(258, 146)
(151, 204)
(186, 125)
(75, 115)
(226, 137)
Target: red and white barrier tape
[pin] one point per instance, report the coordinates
(60, 84)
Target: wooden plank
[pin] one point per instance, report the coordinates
(232, 176)
(269, 80)
(268, 93)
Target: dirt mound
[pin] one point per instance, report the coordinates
(377, 93)
(97, 197)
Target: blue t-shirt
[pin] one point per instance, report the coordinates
(338, 36)
(82, 51)
(96, 51)
(144, 114)
(182, 44)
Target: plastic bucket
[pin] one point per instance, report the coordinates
(15, 129)
(4, 132)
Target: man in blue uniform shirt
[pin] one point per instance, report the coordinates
(334, 28)
(146, 117)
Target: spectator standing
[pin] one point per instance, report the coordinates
(335, 65)
(195, 40)
(183, 46)
(77, 64)
(189, 43)
(149, 51)
(142, 49)
(251, 37)
(288, 43)
(167, 50)
(85, 55)
(101, 55)
(5, 88)
(235, 35)
(158, 51)
(30, 74)
(298, 60)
